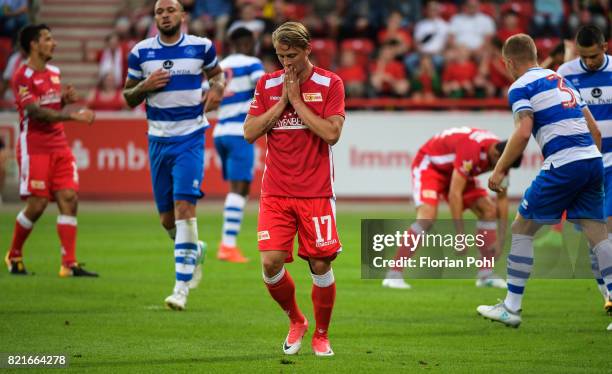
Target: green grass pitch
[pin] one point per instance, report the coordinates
(117, 322)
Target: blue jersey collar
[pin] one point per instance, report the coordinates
(170, 45)
(603, 66)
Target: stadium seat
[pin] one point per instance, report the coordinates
(545, 45)
(488, 9)
(295, 12)
(448, 10)
(6, 49)
(362, 48)
(324, 50)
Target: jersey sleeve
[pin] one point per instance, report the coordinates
(210, 57)
(134, 68)
(466, 159)
(579, 100)
(23, 90)
(335, 100)
(258, 105)
(257, 71)
(519, 99)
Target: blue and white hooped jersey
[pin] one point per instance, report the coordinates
(176, 109)
(242, 73)
(559, 126)
(596, 89)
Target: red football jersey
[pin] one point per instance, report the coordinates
(42, 87)
(298, 162)
(462, 148)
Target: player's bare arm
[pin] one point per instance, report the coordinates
(136, 91)
(592, 125)
(47, 115)
(502, 217)
(69, 95)
(256, 126)
(216, 80)
(328, 129)
(455, 199)
(523, 124)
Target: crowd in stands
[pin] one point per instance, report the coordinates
(380, 48)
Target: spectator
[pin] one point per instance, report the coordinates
(430, 36)
(323, 20)
(388, 76)
(395, 31)
(13, 16)
(358, 20)
(215, 14)
(547, 18)
(106, 96)
(459, 74)
(14, 62)
(352, 74)
(425, 82)
(471, 29)
(583, 15)
(499, 76)
(113, 60)
(510, 25)
(248, 18)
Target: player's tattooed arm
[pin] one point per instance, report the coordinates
(50, 116)
(592, 125)
(523, 124)
(135, 91)
(216, 79)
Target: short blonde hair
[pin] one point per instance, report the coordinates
(520, 47)
(293, 34)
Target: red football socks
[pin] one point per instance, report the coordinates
(67, 230)
(283, 291)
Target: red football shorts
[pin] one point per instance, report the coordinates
(43, 174)
(429, 185)
(314, 220)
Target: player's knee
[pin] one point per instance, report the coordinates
(272, 265)
(167, 220)
(319, 266)
(184, 209)
(35, 208)
(489, 212)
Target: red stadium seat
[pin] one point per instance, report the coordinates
(295, 12)
(6, 49)
(448, 10)
(324, 50)
(545, 45)
(489, 9)
(362, 48)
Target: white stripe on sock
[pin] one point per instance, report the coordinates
(275, 279)
(24, 221)
(324, 280)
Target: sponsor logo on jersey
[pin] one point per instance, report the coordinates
(596, 92)
(312, 97)
(190, 51)
(23, 91)
(430, 194)
(55, 79)
(263, 235)
(37, 185)
(467, 166)
(275, 98)
(321, 243)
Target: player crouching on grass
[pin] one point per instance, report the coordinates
(446, 167)
(47, 167)
(300, 110)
